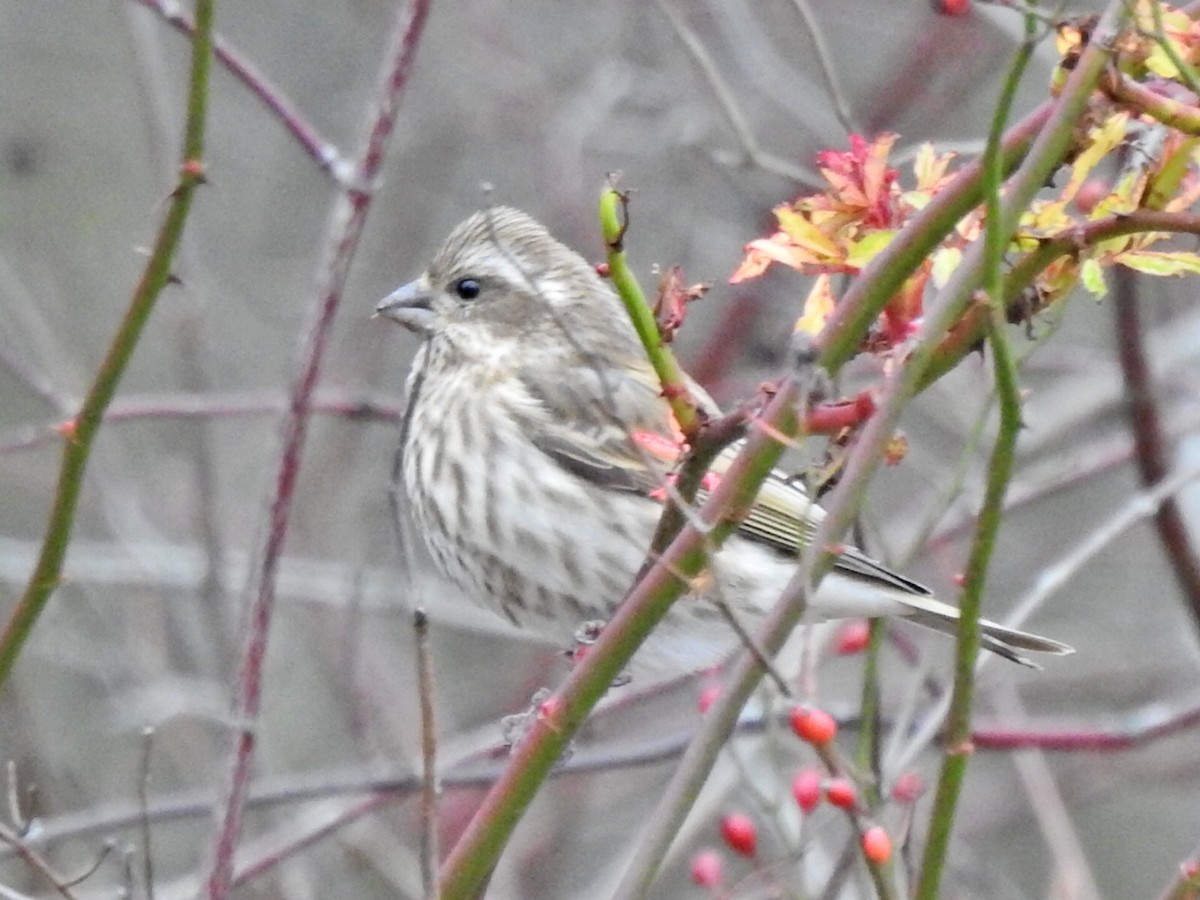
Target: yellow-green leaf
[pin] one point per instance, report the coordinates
(1092, 277)
(865, 250)
(945, 261)
(1154, 262)
(803, 233)
(818, 307)
(1102, 139)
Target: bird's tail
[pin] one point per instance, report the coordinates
(997, 638)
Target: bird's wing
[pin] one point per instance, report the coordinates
(616, 431)
(785, 518)
(611, 427)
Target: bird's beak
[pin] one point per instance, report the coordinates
(410, 305)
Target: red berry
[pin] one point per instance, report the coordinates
(853, 637)
(876, 845)
(708, 696)
(841, 793)
(739, 833)
(813, 725)
(602, 269)
(1090, 193)
(806, 789)
(908, 788)
(955, 7)
(707, 868)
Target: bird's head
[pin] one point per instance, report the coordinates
(499, 273)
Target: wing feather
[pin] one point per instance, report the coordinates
(587, 422)
(587, 419)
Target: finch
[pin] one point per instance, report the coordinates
(533, 462)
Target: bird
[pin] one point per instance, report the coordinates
(532, 465)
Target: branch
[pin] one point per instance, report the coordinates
(970, 329)
(1140, 99)
(324, 152)
(47, 574)
(614, 222)
(1000, 469)
(1149, 441)
(347, 220)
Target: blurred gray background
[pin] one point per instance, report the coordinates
(541, 100)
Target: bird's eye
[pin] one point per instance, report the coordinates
(467, 288)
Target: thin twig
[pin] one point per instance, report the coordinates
(614, 222)
(269, 860)
(37, 862)
(324, 152)
(346, 224)
(1140, 506)
(768, 162)
(1049, 807)
(1149, 442)
(200, 406)
(144, 804)
(825, 63)
(429, 773)
(30, 378)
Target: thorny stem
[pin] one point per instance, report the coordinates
(77, 448)
(1000, 469)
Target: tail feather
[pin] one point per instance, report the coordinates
(999, 639)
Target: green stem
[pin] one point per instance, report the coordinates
(958, 726)
(866, 756)
(613, 224)
(1186, 73)
(47, 574)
